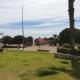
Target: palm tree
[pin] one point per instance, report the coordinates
(71, 19)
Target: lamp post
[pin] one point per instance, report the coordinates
(1, 39)
(22, 27)
(71, 21)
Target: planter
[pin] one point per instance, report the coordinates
(45, 50)
(1, 50)
(75, 52)
(66, 56)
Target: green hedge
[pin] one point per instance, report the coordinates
(69, 51)
(66, 45)
(79, 47)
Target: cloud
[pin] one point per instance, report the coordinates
(41, 17)
(10, 10)
(36, 28)
(31, 32)
(40, 23)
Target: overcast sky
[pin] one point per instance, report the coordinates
(41, 17)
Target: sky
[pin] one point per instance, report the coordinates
(42, 18)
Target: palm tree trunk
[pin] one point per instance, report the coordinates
(71, 21)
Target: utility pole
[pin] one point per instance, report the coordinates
(22, 27)
(71, 21)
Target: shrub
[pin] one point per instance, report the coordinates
(79, 47)
(63, 56)
(69, 51)
(63, 50)
(66, 46)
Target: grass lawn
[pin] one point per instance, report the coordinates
(19, 65)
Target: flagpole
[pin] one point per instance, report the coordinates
(22, 27)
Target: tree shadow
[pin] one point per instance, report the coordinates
(41, 72)
(74, 72)
(76, 69)
(64, 62)
(59, 69)
(52, 70)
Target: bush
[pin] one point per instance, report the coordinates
(66, 46)
(64, 36)
(79, 47)
(69, 51)
(63, 56)
(63, 50)
(1, 50)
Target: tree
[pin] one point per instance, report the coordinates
(64, 36)
(56, 39)
(55, 36)
(6, 40)
(29, 41)
(18, 40)
(46, 40)
(40, 41)
(71, 19)
(51, 41)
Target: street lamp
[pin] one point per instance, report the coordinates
(22, 27)
(1, 34)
